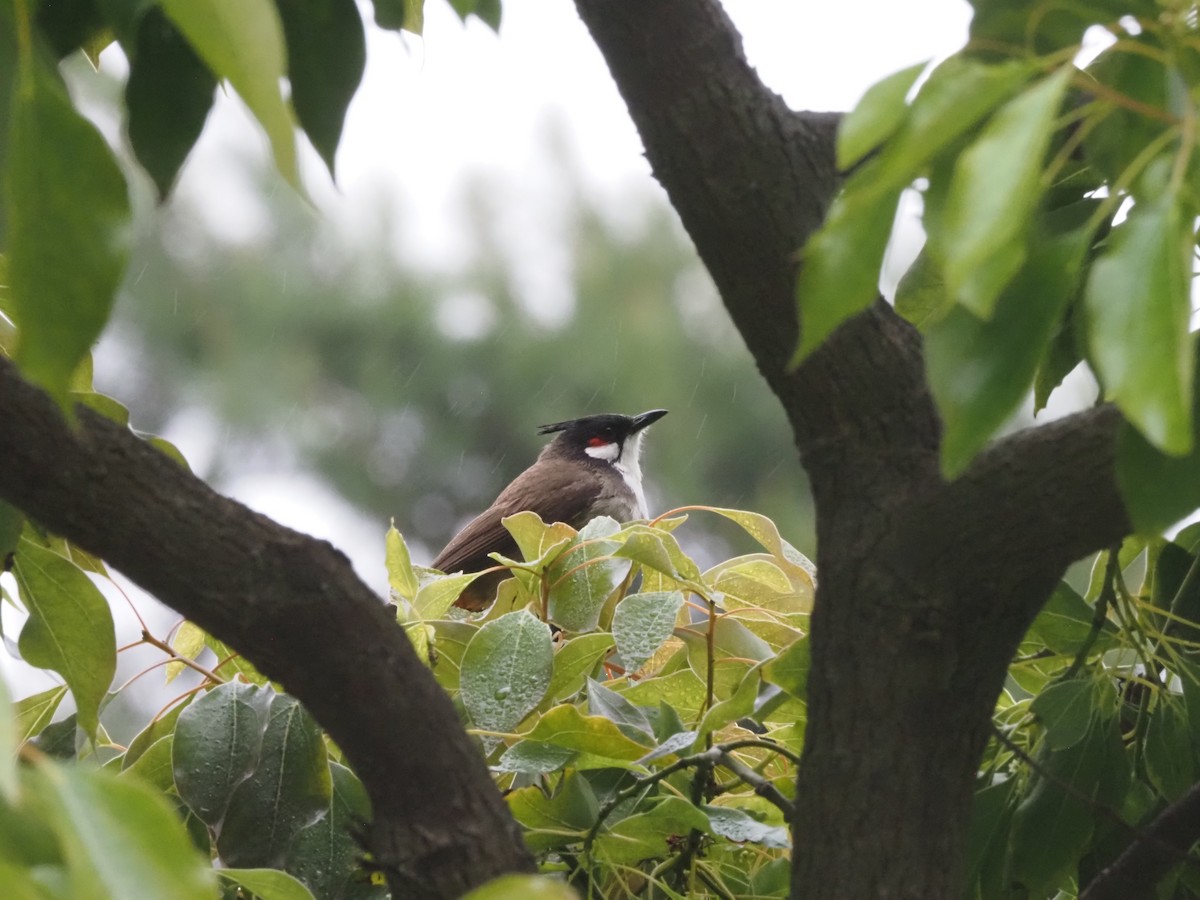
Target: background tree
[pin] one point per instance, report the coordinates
(935, 555)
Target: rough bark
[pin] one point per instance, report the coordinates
(926, 587)
(293, 605)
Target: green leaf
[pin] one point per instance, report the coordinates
(68, 214)
(401, 577)
(1169, 751)
(1065, 709)
(397, 14)
(656, 549)
(242, 41)
(168, 96)
(603, 701)
(683, 690)
(763, 530)
(651, 834)
(1065, 622)
(536, 539)
(921, 295)
(154, 766)
(1138, 306)
(506, 670)
(435, 597)
(558, 819)
(12, 521)
(188, 642)
(9, 741)
(289, 790)
(993, 194)
(218, 745)
(739, 826)
(789, 669)
(980, 370)
(35, 712)
(1159, 489)
(1052, 826)
(840, 276)
(70, 627)
(573, 660)
(325, 855)
(534, 758)
(267, 884)
(326, 56)
(565, 726)
(877, 116)
(740, 704)
(642, 623)
(121, 838)
(584, 575)
(523, 887)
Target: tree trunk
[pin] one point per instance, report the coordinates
(925, 587)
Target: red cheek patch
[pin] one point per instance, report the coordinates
(596, 442)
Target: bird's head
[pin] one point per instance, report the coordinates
(609, 437)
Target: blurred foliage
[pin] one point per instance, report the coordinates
(415, 391)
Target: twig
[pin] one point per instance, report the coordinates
(1100, 615)
(763, 787)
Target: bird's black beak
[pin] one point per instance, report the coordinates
(646, 418)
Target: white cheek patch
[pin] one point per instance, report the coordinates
(607, 452)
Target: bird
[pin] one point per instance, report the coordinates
(591, 468)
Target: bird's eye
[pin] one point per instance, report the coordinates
(597, 441)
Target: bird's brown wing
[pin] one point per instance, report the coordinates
(561, 493)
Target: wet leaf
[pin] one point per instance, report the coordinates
(642, 623)
(506, 670)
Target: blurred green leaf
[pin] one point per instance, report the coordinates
(70, 627)
(242, 41)
(921, 295)
(980, 370)
(159, 728)
(523, 887)
(68, 214)
(326, 53)
(994, 192)
(1158, 488)
(121, 838)
(168, 96)
(397, 14)
(288, 790)
(12, 521)
(506, 670)
(877, 116)
(218, 745)
(10, 739)
(1137, 299)
(267, 884)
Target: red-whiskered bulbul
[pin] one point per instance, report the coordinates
(591, 468)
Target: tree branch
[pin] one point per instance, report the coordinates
(1155, 850)
(293, 606)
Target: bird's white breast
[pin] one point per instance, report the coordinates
(630, 466)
